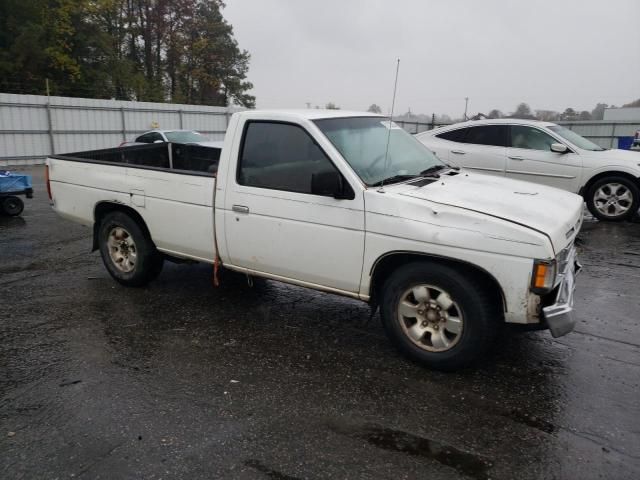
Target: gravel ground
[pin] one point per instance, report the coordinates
(183, 380)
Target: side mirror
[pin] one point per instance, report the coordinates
(158, 141)
(559, 148)
(331, 184)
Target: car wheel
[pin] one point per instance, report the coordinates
(127, 251)
(613, 198)
(12, 205)
(438, 316)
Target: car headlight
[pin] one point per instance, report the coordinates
(543, 278)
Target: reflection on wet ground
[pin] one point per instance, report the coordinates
(403, 442)
(182, 380)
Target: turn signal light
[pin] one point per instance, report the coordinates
(544, 276)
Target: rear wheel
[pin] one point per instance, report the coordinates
(127, 251)
(12, 205)
(613, 198)
(438, 316)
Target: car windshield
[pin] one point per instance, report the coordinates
(362, 141)
(576, 139)
(185, 137)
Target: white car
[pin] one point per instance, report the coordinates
(173, 136)
(545, 153)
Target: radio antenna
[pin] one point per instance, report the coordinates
(393, 104)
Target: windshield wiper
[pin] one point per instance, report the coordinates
(394, 179)
(432, 171)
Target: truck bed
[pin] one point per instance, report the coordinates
(171, 186)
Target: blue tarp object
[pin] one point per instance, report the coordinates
(14, 182)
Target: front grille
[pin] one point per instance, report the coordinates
(563, 259)
(575, 229)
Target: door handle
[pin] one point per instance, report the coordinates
(240, 209)
(515, 157)
(458, 152)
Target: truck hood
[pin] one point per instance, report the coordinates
(553, 212)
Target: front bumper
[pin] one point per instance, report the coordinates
(559, 316)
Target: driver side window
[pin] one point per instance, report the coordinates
(530, 138)
(280, 156)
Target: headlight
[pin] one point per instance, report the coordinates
(544, 276)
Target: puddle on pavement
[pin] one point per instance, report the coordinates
(530, 420)
(466, 463)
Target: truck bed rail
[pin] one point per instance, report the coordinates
(178, 157)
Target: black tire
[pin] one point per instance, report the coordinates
(481, 314)
(633, 204)
(12, 205)
(148, 261)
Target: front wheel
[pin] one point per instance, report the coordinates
(613, 199)
(127, 251)
(438, 316)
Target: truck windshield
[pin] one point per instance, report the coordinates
(362, 141)
(182, 136)
(576, 139)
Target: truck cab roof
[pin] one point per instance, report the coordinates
(308, 114)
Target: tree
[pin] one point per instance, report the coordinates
(635, 103)
(214, 68)
(148, 50)
(331, 106)
(569, 114)
(598, 112)
(522, 111)
(584, 115)
(373, 108)
(547, 115)
(495, 113)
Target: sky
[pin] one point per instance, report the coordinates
(551, 54)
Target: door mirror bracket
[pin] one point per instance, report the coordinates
(331, 184)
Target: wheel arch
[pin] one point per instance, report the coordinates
(387, 263)
(608, 173)
(103, 208)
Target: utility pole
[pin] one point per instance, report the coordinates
(466, 104)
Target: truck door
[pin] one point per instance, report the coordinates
(275, 225)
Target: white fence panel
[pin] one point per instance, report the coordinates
(34, 126)
(605, 133)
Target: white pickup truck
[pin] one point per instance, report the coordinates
(343, 202)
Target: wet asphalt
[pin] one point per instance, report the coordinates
(184, 380)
